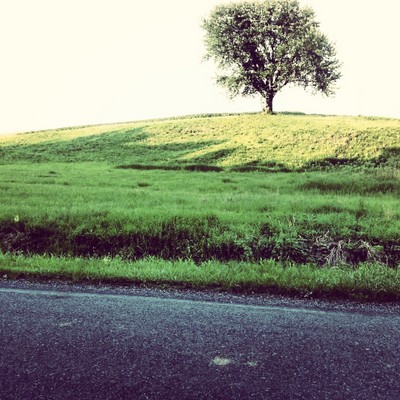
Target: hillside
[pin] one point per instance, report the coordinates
(253, 141)
(125, 202)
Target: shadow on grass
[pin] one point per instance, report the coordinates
(123, 146)
(389, 157)
(130, 148)
(262, 166)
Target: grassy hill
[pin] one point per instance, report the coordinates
(195, 191)
(253, 141)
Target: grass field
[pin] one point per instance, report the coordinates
(255, 140)
(194, 195)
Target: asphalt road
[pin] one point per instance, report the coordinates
(79, 343)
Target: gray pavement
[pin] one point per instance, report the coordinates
(66, 342)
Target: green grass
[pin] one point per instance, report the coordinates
(367, 281)
(196, 192)
(95, 210)
(254, 140)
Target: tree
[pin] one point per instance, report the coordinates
(263, 46)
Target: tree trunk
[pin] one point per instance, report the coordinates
(269, 99)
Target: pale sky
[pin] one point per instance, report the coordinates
(76, 62)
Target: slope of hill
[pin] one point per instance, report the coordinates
(98, 201)
(257, 141)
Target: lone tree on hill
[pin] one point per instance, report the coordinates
(262, 46)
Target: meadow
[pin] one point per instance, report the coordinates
(249, 193)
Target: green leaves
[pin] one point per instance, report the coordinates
(260, 47)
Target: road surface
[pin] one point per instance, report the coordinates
(70, 343)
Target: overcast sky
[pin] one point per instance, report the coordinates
(74, 62)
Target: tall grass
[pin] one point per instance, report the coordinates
(94, 210)
(367, 281)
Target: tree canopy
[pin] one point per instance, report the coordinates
(263, 46)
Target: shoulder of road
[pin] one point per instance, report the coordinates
(217, 296)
